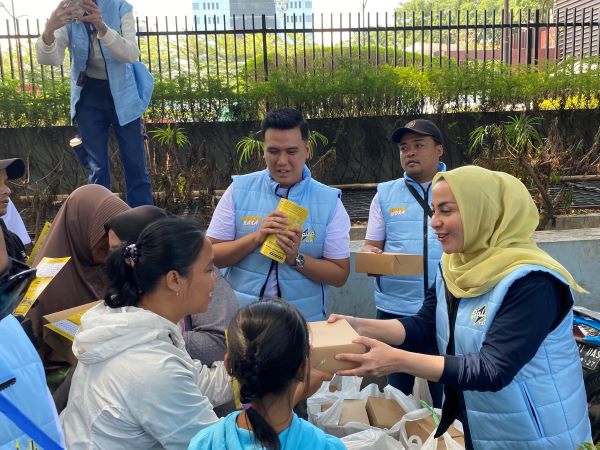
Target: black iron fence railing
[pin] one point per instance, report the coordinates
(243, 49)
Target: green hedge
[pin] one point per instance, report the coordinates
(354, 89)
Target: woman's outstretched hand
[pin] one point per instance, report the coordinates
(381, 359)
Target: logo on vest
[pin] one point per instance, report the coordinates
(397, 211)
(250, 221)
(308, 235)
(479, 316)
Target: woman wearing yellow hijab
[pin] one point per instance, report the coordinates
(500, 312)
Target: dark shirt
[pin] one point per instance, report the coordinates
(533, 306)
(15, 250)
(14, 245)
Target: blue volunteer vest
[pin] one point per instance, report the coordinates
(130, 84)
(254, 197)
(29, 395)
(403, 216)
(545, 405)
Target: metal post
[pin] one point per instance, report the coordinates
(264, 46)
(506, 40)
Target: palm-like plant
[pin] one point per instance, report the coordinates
(516, 147)
(251, 146)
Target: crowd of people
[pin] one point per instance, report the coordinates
(152, 359)
(182, 312)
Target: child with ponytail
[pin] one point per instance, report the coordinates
(268, 353)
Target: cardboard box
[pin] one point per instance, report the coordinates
(330, 339)
(388, 263)
(425, 426)
(384, 412)
(60, 328)
(353, 411)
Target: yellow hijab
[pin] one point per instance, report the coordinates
(498, 218)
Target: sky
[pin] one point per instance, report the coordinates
(41, 9)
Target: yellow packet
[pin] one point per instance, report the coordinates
(47, 269)
(38, 243)
(296, 215)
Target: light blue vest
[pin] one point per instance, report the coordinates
(545, 405)
(130, 84)
(29, 394)
(403, 216)
(253, 198)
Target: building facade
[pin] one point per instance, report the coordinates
(220, 14)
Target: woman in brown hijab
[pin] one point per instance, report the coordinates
(77, 231)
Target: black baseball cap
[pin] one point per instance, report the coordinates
(420, 126)
(15, 167)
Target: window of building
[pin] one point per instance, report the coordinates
(308, 4)
(195, 5)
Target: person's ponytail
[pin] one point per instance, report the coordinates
(123, 288)
(136, 269)
(264, 434)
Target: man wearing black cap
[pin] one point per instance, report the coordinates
(10, 169)
(399, 221)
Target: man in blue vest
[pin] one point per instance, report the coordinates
(108, 86)
(316, 255)
(399, 221)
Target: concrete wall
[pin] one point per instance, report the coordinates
(577, 250)
(364, 152)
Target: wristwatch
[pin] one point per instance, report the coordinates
(299, 261)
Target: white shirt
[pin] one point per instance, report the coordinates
(123, 47)
(337, 233)
(376, 223)
(14, 222)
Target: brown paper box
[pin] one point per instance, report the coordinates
(330, 339)
(425, 426)
(384, 412)
(59, 343)
(353, 411)
(388, 263)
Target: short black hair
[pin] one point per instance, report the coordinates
(285, 119)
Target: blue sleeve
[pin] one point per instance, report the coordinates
(420, 328)
(533, 306)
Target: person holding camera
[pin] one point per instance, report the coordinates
(108, 86)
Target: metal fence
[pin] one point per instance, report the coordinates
(246, 50)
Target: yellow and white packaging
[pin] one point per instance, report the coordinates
(296, 216)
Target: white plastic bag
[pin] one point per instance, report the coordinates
(415, 442)
(421, 391)
(328, 420)
(371, 439)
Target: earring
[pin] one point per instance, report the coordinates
(177, 293)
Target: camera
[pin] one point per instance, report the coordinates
(82, 78)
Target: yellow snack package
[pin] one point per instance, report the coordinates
(296, 215)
